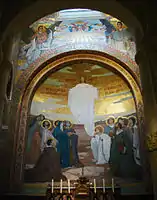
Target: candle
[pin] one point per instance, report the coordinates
(94, 186)
(68, 186)
(112, 185)
(103, 183)
(52, 185)
(61, 182)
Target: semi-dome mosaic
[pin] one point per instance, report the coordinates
(76, 29)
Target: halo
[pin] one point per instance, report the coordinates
(36, 26)
(110, 118)
(118, 118)
(58, 120)
(132, 116)
(46, 120)
(69, 122)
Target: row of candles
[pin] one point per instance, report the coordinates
(69, 187)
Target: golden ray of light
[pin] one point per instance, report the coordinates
(114, 94)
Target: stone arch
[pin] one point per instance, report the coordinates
(34, 80)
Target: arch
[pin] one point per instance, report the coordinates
(40, 8)
(35, 80)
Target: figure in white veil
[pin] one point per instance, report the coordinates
(100, 145)
(81, 103)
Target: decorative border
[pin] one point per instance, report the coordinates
(32, 81)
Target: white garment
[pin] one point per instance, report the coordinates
(100, 145)
(36, 49)
(46, 134)
(81, 103)
(136, 146)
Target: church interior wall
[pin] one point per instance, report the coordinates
(17, 98)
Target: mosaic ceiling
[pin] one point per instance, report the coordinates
(51, 98)
(75, 29)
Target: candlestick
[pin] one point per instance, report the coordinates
(94, 186)
(68, 186)
(103, 183)
(61, 182)
(52, 186)
(112, 185)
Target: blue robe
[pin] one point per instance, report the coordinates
(63, 146)
(108, 129)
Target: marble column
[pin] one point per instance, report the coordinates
(146, 59)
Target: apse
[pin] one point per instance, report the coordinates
(75, 29)
(51, 108)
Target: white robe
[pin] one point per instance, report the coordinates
(100, 145)
(35, 49)
(81, 103)
(46, 135)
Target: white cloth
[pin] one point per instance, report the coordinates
(81, 103)
(136, 145)
(36, 49)
(100, 145)
(46, 135)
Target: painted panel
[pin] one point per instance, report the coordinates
(59, 150)
(73, 30)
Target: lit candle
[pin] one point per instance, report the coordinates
(112, 185)
(61, 182)
(94, 186)
(52, 185)
(68, 186)
(103, 183)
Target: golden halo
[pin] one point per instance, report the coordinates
(110, 118)
(69, 122)
(46, 120)
(36, 27)
(58, 120)
(132, 116)
(119, 118)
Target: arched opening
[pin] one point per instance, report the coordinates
(70, 42)
(56, 64)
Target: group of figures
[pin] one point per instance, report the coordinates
(57, 149)
(60, 34)
(118, 144)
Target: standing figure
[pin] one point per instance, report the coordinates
(83, 108)
(136, 144)
(33, 127)
(46, 134)
(100, 145)
(33, 140)
(121, 159)
(109, 129)
(124, 122)
(63, 144)
(73, 139)
(120, 39)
